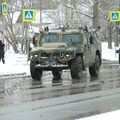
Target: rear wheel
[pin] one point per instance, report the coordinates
(36, 74)
(94, 70)
(76, 68)
(56, 74)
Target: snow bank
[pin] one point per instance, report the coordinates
(109, 54)
(14, 64)
(115, 115)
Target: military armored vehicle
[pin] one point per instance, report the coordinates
(73, 49)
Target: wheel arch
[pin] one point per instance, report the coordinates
(76, 55)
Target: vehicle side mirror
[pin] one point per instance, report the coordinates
(91, 39)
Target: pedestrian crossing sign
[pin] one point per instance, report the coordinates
(4, 8)
(73, 14)
(28, 15)
(115, 16)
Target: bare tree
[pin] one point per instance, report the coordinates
(95, 14)
(7, 22)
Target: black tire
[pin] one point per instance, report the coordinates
(94, 70)
(56, 74)
(76, 68)
(36, 74)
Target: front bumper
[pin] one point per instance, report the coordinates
(47, 68)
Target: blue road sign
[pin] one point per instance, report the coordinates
(28, 15)
(4, 8)
(115, 16)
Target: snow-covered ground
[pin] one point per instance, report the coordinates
(115, 115)
(109, 54)
(17, 63)
(14, 64)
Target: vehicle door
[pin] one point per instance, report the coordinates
(88, 56)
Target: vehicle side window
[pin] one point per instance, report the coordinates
(95, 39)
(91, 39)
(95, 36)
(85, 38)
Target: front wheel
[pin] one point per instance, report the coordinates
(36, 74)
(76, 68)
(94, 70)
(56, 74)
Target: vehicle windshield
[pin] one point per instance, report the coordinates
(72, 38)
(50, 38)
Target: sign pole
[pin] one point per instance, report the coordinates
(40, 27)
(117, 25)
(0, 7)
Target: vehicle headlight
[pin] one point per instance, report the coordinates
(67, 55)
(35, 56)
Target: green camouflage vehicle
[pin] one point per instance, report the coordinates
(73, 49)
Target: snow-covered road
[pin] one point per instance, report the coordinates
(17, 63)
